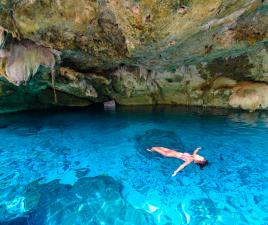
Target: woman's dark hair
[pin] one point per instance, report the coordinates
(203, 164)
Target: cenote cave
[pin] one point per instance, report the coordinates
(134, 112)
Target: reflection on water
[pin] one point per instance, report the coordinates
(92, 167)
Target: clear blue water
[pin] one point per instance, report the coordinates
(92, 167)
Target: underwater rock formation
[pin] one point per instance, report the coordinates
(133, 52)
(157, 137)
(96, 200)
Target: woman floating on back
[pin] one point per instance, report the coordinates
(197, 159)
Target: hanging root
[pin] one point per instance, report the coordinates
(53, 86)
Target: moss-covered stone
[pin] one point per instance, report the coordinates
(234, 67)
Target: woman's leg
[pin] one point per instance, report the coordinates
(164, 151)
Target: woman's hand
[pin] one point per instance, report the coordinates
(174, 174)
(181, 167)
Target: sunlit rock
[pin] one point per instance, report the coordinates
(223, 82)
(249, 96)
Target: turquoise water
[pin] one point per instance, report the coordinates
(92, 167)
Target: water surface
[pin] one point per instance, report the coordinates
(92, 167)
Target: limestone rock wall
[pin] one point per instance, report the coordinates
(185, 52)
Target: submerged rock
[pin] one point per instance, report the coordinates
(95, 200)
(157, 137)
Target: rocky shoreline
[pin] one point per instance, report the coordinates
(194, 53)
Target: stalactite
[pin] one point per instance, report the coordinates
(2, 37)
(25, 58)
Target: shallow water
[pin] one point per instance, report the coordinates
(49, 160)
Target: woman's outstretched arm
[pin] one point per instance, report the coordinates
(181, 167)
(196, 150)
